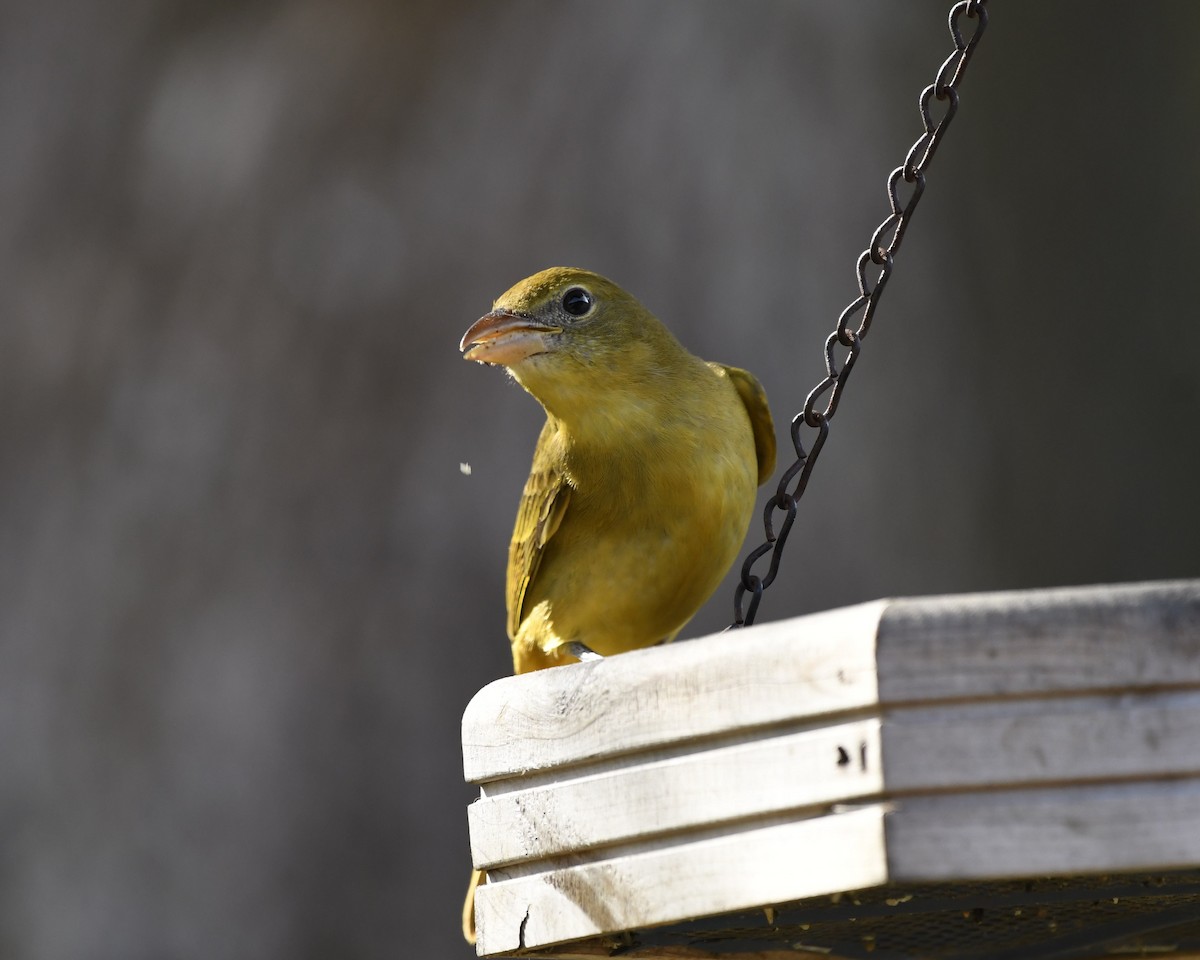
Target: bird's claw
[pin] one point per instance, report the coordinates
(582, 652)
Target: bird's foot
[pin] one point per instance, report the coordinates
(582, 652)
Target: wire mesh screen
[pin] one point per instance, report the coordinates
(1068, 918)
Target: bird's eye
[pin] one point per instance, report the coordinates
(577, 301)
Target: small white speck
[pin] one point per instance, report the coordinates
(464, 469)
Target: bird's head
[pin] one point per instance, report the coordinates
(564, 329)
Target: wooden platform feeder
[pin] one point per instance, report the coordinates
(1006, 775)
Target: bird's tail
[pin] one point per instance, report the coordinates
(468, 917)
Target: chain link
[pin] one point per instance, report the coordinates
(880, 254)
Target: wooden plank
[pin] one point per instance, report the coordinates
(1082, 639)
(1091, 639)
(1017, 833)
(742, 870)
(806, 667)
(956, 747)
(711, 786)
(1019, 742)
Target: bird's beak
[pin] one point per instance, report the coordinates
(506, 338)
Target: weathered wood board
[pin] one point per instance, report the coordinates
(810, 666)
(902, 741)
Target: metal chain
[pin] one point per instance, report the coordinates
(881, 255)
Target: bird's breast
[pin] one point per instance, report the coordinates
(648, 537)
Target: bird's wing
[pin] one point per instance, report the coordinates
(755, 400)
(543, 503)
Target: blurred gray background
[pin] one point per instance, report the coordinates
(245, 588)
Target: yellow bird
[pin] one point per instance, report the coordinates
(644, 476)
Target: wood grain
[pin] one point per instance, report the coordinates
(1080, 639)
(1015, 833)
(806, 667)
(700, 789)
(1009, 743)
(964, 746)
(681, 880)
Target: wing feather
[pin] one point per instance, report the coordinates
(755, 400)
(543, 505)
